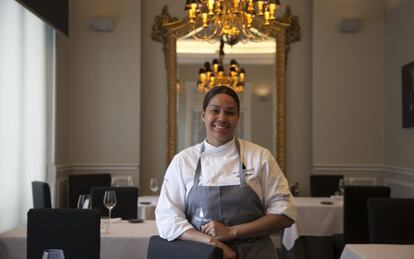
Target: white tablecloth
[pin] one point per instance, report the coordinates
(376, 251)
(146, 207)
(314, 219)
(124, 241)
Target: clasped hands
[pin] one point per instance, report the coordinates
(220, 232)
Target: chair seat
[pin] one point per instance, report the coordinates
(160, 248)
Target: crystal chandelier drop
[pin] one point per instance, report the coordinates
(215, 75)
(231, 20)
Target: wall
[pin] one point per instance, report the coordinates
(99, 75)
(348, 91)
(399, 42)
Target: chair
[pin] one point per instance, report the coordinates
(81, 184)
(356, 229)
(160, 248)
(75, 231)
(391, 221)
(41, 195)
(324, 185)
(126, 201)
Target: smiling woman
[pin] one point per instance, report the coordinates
(257, 101)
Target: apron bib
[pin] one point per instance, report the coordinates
(230, 205)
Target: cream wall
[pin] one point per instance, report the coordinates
(399, 142)
(98, 92)
(348, 90)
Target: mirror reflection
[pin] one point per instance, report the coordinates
(258, 100)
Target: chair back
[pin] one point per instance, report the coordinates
(126, 201)
(75, 231)
(81, 184)
(160, 248)
(41, 195)
(391, 221)
(324, 185)
(356, 212)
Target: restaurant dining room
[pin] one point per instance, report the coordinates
(206, 129)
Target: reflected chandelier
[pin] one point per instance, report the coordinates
(210, 77)
(231, 20)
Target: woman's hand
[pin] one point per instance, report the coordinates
(218, 231)
(228, 253)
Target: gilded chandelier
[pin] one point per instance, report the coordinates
(231, 20)
(215, 75)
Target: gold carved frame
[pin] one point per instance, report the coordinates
(285, 30)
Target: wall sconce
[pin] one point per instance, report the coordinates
(102, 24)
(262, 92)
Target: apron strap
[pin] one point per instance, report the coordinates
(241, 165)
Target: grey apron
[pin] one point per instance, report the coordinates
(230, 205)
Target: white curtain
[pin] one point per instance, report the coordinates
(25, 43)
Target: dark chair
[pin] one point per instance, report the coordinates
(391, 221)
(126, 201)
(41, 195)
(160, 248)
(81, 184)
(324, 185)
(75, 231)
(356, 229)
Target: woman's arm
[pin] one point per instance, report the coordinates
(263, 226)
(194, 235)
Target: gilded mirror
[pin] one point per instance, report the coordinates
(285, 30)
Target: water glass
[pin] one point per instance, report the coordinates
(153, 185)
(53, 254)
(85, 201)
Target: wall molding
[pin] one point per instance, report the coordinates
(399, 170)
(96, 167)
(389, 181)
(348, 168)
(339, 168)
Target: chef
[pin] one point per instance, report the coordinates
(225, 191)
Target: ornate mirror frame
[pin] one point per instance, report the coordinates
(285, 30)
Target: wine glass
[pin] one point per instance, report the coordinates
(84, 201)
(109, 202)
(53, 254)
(341, 186)
(153, 185)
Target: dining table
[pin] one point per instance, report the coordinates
(318, 220)
(123, 240)
(377, 251)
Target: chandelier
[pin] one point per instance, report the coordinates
(231, 20)
(215, 75)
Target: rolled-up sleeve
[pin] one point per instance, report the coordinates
(277, 197)
(169, 213)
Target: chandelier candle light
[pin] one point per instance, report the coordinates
(231, 20)
(210, 77)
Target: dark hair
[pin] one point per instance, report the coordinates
(221, 90)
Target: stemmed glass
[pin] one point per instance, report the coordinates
(84, 201)
(153, 185)
(53, 254)
(341, 186)
(109, 202)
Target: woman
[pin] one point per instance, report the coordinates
(225, 191)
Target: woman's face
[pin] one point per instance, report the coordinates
(220, 119)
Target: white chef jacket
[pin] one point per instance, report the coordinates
(219, 166)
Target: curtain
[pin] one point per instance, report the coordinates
(25, 45)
